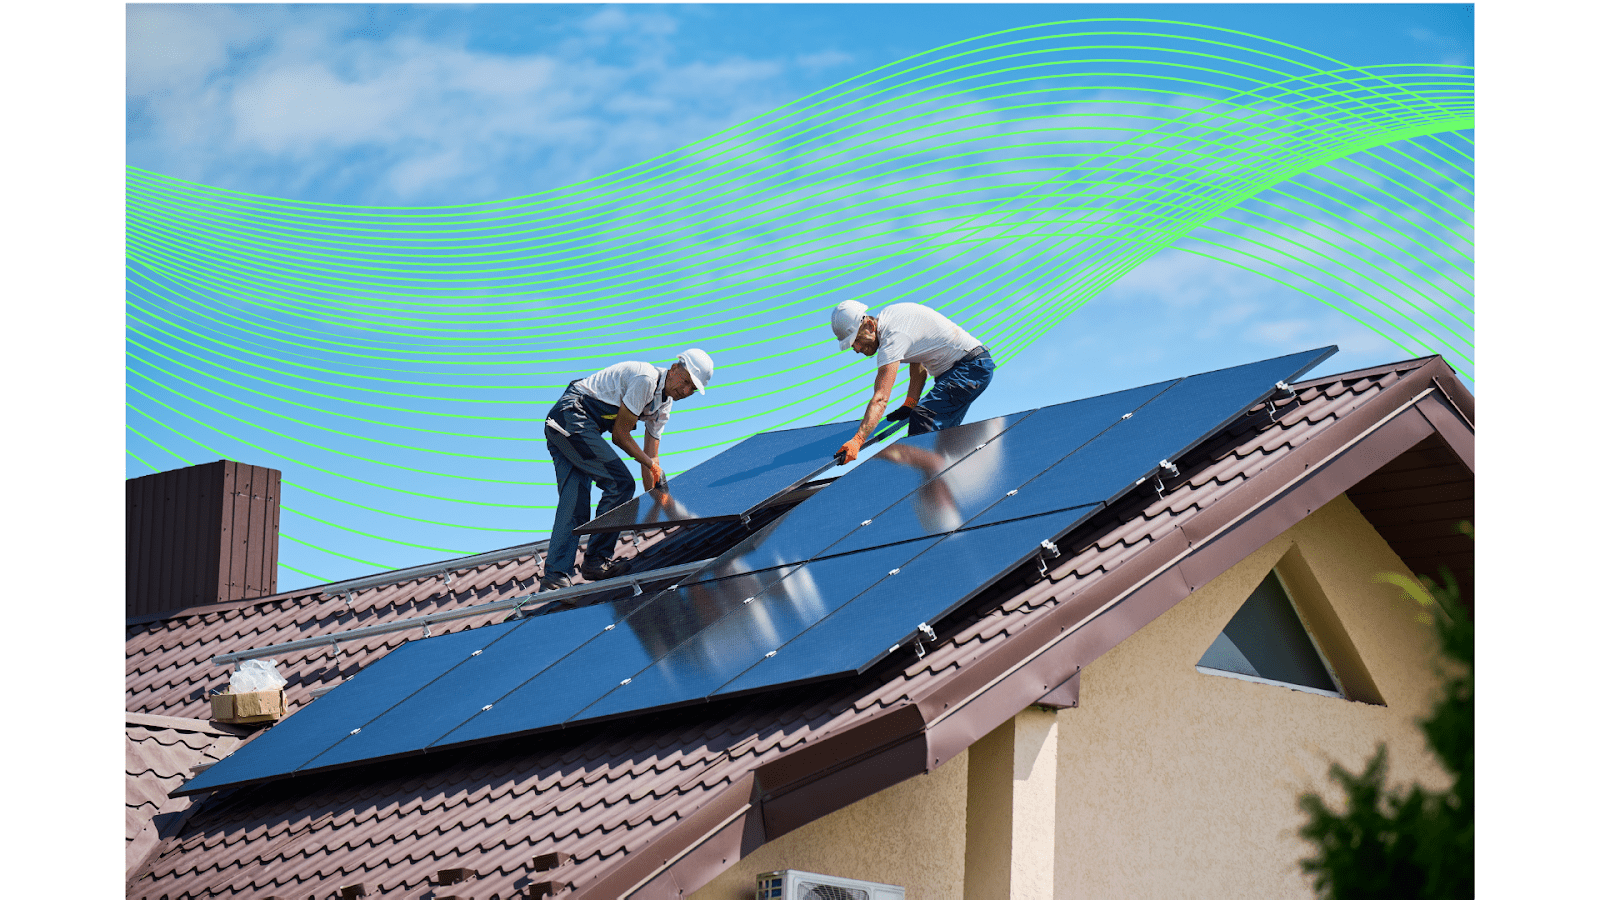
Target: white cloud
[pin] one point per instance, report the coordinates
(262, 100)
(824, 59)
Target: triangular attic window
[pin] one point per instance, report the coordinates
(1266, 641)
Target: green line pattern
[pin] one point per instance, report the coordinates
(396, 362)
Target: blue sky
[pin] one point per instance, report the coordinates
(456, 104)
(404, 106)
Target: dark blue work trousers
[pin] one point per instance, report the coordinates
(953, 392)
(581, 457)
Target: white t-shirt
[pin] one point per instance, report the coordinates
(911, 332)
(638, 386)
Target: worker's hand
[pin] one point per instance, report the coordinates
(900, 412)
(651, 475)
(848, 451)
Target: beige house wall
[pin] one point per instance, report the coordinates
(1166, 782)
(1175, 783)
(911, 834)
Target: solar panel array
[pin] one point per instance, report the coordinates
(829, 588)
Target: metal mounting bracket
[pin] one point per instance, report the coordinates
(1047, 550)
(1161, 488)
(1272, 410)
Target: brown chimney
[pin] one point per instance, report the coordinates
(204, 534)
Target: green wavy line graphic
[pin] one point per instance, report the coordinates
(396, 362)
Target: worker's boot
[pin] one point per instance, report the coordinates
(554, 581)
(606, 568)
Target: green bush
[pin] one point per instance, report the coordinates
(1406, 842)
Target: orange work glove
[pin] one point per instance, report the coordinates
(849, 449)
(651, 475)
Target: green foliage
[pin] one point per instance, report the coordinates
(1406, 842)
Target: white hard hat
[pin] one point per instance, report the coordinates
(847, 318)
(698, 364)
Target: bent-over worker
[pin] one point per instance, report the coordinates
(611, 402)
(932, 345)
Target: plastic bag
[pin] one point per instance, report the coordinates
(256, 675)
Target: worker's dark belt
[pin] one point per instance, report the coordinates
(978, 352)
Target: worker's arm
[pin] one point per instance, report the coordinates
(652, 449)
(919, 377)
(881, 389)
(622, 436)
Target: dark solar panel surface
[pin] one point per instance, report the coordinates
(734, 481)
(519, 650)
(1007, 460)
(718, 653)
(1172, 423)
(827, 589)
(560, 692)
(950, 570)
(864, 492)
(295, 741)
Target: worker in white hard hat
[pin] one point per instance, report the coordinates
(931, 345)
(611, 402)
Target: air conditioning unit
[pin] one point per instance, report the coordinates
(793, 884)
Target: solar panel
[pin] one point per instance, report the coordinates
(525, 647)
(950, 571)
(727, 647)
(862, 494)
(732, 483)
(295, 741)
(607, 664)
(946, 502)
(1171, 424)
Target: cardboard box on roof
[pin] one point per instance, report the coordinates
(243, 709)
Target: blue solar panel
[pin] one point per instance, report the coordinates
(557, 693)
(948, 573)
(292, 743)
(718, 653)
(527, 647)
(862, 494)
(562, 694)
(1006, 461)
(733, 482)
(1176, 421)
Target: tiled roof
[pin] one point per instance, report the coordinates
(672, 782)
(160, 751)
